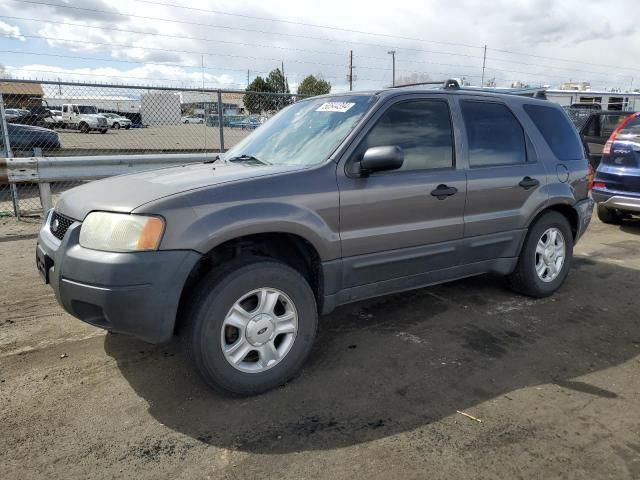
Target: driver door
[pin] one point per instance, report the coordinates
(394, 224)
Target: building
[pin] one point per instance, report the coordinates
(161, 108)
(21, 94)
(206, 103)
(627, 101)
(109, 103)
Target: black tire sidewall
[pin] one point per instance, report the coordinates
(213, 307)
(527, 256)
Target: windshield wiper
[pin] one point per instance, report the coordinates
(246, 158)
(214, 159)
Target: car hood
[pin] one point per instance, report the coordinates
(125, 193)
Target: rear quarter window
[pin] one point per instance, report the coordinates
(557, 131)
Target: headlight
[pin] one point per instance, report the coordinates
(117, 232)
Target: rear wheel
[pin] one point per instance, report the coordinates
(116, 125)
(251, 326)
(545, 258)
(84, 128)
(610, 215)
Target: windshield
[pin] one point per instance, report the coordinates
(305, 133)
(87, 110)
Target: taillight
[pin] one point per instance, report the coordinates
(590, 177)
(599, 185)
(607, 146)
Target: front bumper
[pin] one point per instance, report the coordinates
(132, 293)
(629, 203)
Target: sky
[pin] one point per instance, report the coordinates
(220, 44)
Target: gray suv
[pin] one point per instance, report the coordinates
(335, 199)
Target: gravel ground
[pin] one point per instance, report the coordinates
(555, 383)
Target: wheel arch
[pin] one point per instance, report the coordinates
(289, 248)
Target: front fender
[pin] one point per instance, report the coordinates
(236, 221)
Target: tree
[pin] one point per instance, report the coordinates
(312, 86)
(275, 82)
(413, 78)
(254, 102)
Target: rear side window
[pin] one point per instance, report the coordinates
(632, 128)
(557, 131)
(495, 135)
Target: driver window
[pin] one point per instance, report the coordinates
(422, 128)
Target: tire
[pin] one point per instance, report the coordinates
(104, 130)
(127, 127)
(609, 215)
(525, 278)
(116, 125)
(209, 332)
(84, 128)
(186, 122)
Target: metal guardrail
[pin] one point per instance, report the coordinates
(45, 170)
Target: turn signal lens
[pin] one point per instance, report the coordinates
(590, 178)
(151, 234)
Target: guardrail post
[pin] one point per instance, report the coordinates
(8, 153)
(220, 125)
(46, 201)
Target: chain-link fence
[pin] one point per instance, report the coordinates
(56, 119)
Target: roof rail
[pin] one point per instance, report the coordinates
(449, 84)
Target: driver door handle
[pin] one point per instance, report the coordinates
(443, 191)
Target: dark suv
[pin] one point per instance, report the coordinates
(336, 199)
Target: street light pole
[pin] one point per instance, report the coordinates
(393, 67)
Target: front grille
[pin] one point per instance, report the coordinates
(59, 224)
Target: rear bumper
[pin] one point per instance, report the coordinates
(621, 202)
(132, 293)
(585, 212)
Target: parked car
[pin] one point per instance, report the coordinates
(13, 113)
(250, 123)
(597, 129)
(192, 120)
(335, 199)
(117, 121)
(39, 116)
(616, 187)
(27, 137)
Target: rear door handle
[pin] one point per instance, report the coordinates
(443, 191)
(528, 182)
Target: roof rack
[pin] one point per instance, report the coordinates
(449, 84)
(453, 84)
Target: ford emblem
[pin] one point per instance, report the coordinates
(55, 225)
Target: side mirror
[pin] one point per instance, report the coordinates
(378, 159)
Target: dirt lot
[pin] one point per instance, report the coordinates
(556, 383)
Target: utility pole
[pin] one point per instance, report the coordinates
(247, 77)
(393, 67)
(484, 62)
(350, 70)
(202, 60)
(283, 80)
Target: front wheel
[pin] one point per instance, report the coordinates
(116, 125)
(251, 326)
(545, 257)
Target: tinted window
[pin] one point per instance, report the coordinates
(631, 129)
(495, 135)
(612, 121)
(557, 131)
(422, 128)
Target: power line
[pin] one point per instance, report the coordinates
(304, 24)
(210, 25)
(78, 57)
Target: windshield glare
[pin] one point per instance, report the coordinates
(87, 110)
(305, 133)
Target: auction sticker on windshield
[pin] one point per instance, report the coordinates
(335, 107)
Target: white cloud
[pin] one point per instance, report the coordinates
(586, 32)
(10, 31)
